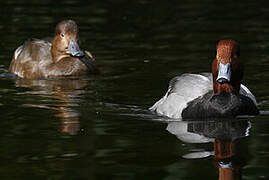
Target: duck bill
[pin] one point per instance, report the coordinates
(74, 50)
(224, 74)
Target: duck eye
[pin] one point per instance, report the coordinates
(62, 35)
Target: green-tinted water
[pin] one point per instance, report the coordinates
(99, 127)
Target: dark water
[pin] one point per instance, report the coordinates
(99, 127)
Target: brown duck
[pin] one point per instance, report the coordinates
(62, 57)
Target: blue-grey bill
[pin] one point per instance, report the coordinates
(74, 49)
(224, 73)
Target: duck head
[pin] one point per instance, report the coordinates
(227, 70)
(65, 41)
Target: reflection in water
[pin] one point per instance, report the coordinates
(229, 155)
(61, 95)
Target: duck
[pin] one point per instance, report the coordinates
(61, 57)
(210, 95)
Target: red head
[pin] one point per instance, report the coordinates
(226, 68)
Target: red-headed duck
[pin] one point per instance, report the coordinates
(42, 59)
(192, 96)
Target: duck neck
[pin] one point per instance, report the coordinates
(218, 88)
(56, 54)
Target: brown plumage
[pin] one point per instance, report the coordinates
(228, 52)
(42, 59)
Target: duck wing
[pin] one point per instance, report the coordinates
(182, 89)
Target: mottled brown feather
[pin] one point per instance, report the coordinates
(40, 59)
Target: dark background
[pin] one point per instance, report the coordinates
(99, 127)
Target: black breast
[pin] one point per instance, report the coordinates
(220, 105)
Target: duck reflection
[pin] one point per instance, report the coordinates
(61, 96)
(226, 135)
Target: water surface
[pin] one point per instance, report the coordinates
(99, 127)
